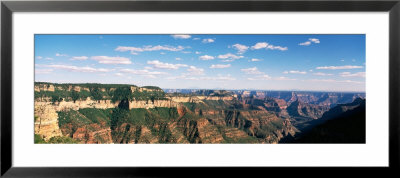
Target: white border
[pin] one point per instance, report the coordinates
(373, 153)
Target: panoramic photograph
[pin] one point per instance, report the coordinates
(199, 89)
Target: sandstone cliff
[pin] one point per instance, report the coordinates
(46, 122)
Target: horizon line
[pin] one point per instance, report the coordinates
(252, 89)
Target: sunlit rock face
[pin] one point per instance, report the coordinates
(46, 122)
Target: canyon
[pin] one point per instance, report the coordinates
(128, 114)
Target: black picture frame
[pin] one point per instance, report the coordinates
(8, 7)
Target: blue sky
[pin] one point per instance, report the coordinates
(264, 62)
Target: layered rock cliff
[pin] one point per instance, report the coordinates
(46, 122)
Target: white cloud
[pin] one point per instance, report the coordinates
(295, 72)
(219, 78)
(260, 77)
(309, 42)
(77, 69)
(261, 45)
(178, 59)
(314, 40)
(206, 57)
(252, 70)
(216, 78)
(119, 74)
(348, 74)
(339, 67)
(197, 52)
(241, 48)
(80, 58)
(144, 72)
(229, 57)
(208, 40)
(61, 55)
(255, 60)
(196, 38)
(161, 65)
(136, 50)
(280, 48)
(283, 78)
(43, 71)
(181, 36)
(111, 60)
(195, 71)
(322, 74)
(219, 66)
(334, 81)
(46, 58)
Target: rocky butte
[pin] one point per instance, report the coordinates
(128, 114)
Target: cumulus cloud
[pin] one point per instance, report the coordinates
(280, 48)
(229, 57)
(283, 78)
(61, 55)
(322, 74)
(77, 69)
(260, 77)
(339, 67)
(314, 40)
(181, 36)
(260, 45)
(206, 57)
(43, 71)
(252, 70)
(335, 81)
(240, 48)
(111, 60)
(195, 71)
(265, 45)
(141, 72)
(219, 66)
(197, 52)
(79, 58)
(208, 40)
(348, 74)
(309, 42)
(214, 78)
(46, 58)
(255, 60)
(295, 72)
(136, 50)
(161, 65)
(119, 74)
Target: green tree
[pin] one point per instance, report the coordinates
(96, 94)
(74, 95)
(122, 93)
